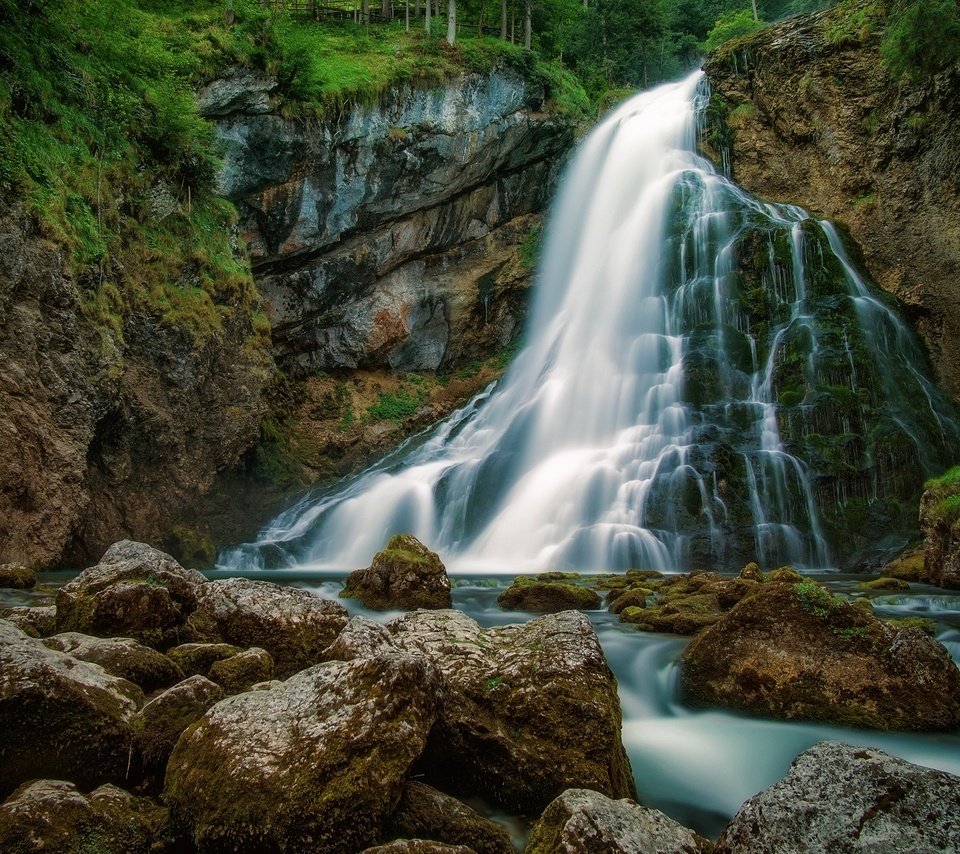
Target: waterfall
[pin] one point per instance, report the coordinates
(707, 380)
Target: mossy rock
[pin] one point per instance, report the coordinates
(405, 575)
(17, 576)
(196, 659)
(548, 597)
(121, 657)
(644, 574)
(242, 671)
(636, 598)
(925, 624)
(784, 575)
(752, 572)
(191, 547)
(884, 584)
(909, 567)
(37, 621)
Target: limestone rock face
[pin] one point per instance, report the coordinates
(292, 625)
(590, 823)
(313, 763)
(406, 574)
(60, 717)
(528, 710)
(796, 652)
(51, 815)
(845, 799)
(120, 657)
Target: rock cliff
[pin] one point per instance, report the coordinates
(812, 116)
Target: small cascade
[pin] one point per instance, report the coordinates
(708, 381)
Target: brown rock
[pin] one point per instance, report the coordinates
(406, 574)
(547, 597)
(197, 658)
(418, 846)
(37, 621)
(121, 657)
(242, 671)
(17, 576)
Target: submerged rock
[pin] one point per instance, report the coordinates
(17, 576)
(845, 799)
(315, 763)
(406, 574)
(528, 710)
(586, 822)
(547, 597)
(52, 816)
(796, 652)
(60, 717)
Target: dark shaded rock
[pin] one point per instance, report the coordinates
(197, 658)
(158, 725)
(17, 576)
(505, 730)
(240, 92)
(587, 822)
(425, 813)
(135, 591)
(37, 621)
(884, 584)
(52, 816)
(941, 539)
(845, 799)
(547, 597)
(796, 652)
(293, 625)
(752, 572)
(242, 671)
(406, 574)
(60, 717)
(121, 657)
(314, 763)
(359, 638)
(418, 846)
(908, 566)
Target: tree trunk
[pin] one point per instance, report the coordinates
(406, 15)
(451, 22)
(386, 10)
(756, 16)
(365, 11)
(527, 27)
(426, 16)
(503, 19)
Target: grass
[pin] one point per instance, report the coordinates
(396, 406)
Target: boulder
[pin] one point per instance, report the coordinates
(884, 584)
(315, 763)
(60, 717)
(528, 710)
(135, 591)
(418, 846)
(17, 576)
(242, 671)
(845, 799)
(38, 621)
(293, 625)
(547, 597)
(158, 725)
(941, 537)
(406, 574)
(121, 657)
(796, 652)
(751, 572)
(907, 566)
(196, 659)
(426, 813)
(359, 638)
(635, 598)
(53, 816)
(587, 822)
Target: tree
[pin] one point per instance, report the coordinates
(921, 37)
(451, 22)
(730, 25)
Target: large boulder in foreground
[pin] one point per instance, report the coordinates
(528, 710)
(135, 591)
(794, 651)
(315, 763)
(587, 822)
(60, 717)
(52, 816)
(292, 625)
(124, 658)
(406, 575)
(846, 799)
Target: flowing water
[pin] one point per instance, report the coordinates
(708, 380)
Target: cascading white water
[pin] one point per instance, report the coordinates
(614, 438)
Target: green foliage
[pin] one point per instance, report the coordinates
(529, 252)
(731, 25)
(921, 37)
(815, 599)
(396, 406)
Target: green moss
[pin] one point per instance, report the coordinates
(815, 599)
(925, 624)
(884, 584)
(397, 406)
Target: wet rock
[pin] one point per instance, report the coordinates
(158, 725)
(426, 813)
(293, 625)
(315, 763)
(528, 710)
(751, 572)
(406, 574)
(418, 846)
(53, 816)
(941, 538)
(242, 671)
(845, 799)
(17, 576)
(908, 566)
(359, 638)
(636, 598)
(784, 575)
(884, 584)
(121, 657)
(135, 591)
(60, 717)
(197, 658)
(36, 621)
(796, 652)
(587, 822)
(547, 597)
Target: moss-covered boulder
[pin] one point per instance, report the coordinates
(547, 596)
(315, 763)
(406, 575)
(907, 566)
(528, 710)
(418, 846)
(293, 625)
(590, 823)
(17, 576)
(884, 584)
(53, 816)
(359, 638)
(242, 671)
(38, 621)
(837, 797)
(158, 725)
(426, 813)
(121, 657)
(635, 598)
(784, 575)
(940, 523)
(752, 572)
(60, 717)
(135, 591)
(797, 652)
(196, 659)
